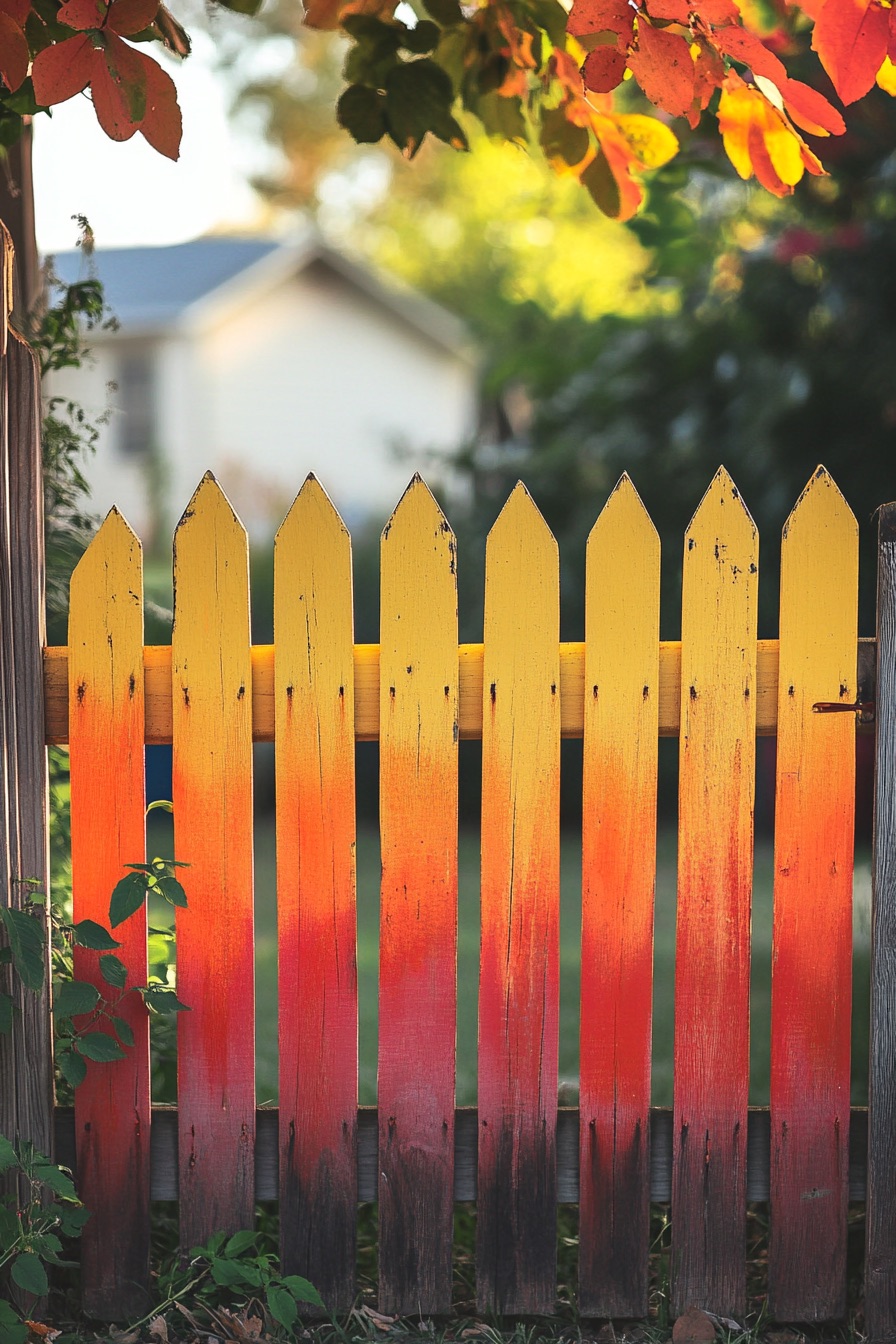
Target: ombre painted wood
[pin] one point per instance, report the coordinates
(316, 910)
(618, 878)
(715, 867)
(112, 1105)
(880, 1245)
(212, 794)
(812, 936)
(518, 987)
(418, 906)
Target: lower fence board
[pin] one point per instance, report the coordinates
(164, 1163)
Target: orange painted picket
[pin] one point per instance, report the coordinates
(318, 986)
(812, 941)
(314, 694)
(112, 1105)
(211, 696)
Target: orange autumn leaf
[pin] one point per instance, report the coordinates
(851, 39)
(603, 69)
(14, 53)
(760, 141)
(61, 71)
(663, 67)
(810, 109)
(746, 47)
(588, 18)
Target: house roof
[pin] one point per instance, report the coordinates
(156, 290)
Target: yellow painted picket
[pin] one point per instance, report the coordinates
(316, 917)
(622, 616)
(418, 905)
(812, 941)
(212, 794)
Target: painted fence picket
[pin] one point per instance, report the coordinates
(618, 876)
(112, 1105)
(880, 1244)
(316, 912)
(212, 794)
(519, 973)
(715, 863)
(812, 938)
(418, 905)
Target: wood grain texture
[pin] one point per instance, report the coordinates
(618, 877)
(157, 665)
(26, 1053)
(418, 906)
(212, 794)
(715, 865)
(812, 937)
(316, 910)
(112, 1105)
(518, 987)
(880, 1238)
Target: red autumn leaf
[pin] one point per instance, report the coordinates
(118, 85)
(14, 54)
(676, 11)
(891, 42)
(61, 71)
(851, 38)
(759, 139)
(127, 17)
(83, 14)
(746, 47)
(18, 10)
(603, 69)
(709, 74)
(601, 16)
(664, 68)
(718, 11)
(161, 126)
(810, 109)
(612, 188)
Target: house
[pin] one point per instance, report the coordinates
(263, 361)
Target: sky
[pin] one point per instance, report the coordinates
(131, 195)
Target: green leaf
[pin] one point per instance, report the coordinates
(560, 139)
(56, 1179)
(8, 1156)
(239, 1243)
(100, 1047)
(72, 1067)
(173, 892)
(29, 1273)
(423, 39)
(127, 896)
(72, 1218)
(419, 95)
(445, 12)
(5, 956)
(74, 997)
(302, 1290)
(362, 111)
(12, 1330)
(8, 1011)
(123, 1028)
(113, 971)
(164, 803)
(501, 117)
(47, 1246)
(27, 942)
(161, 999)
(232, 1273)
(211, 1247)
(90, 934)
(282, 1306)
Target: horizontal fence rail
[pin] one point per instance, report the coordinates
(314, 693)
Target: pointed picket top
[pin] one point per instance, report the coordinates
(211, 503)
(721, 507)
(823, 508)
(114, 550)
(417, 511)
(623, 524)
(313, 509)
(521, 521)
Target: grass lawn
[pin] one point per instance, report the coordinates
(570, 915)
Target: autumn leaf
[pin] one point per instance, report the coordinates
(128, 17)
(810, 109)
(118, 85)
(675, 11)
(759, 139)
(83, 14)
(650, 141)
(747, 48)
(664, 68)
(61, 71)
(603, 69)
(14, 54)
(886, 77)
(162, 124)
(851, 38)
(709, 73)
(590, 18)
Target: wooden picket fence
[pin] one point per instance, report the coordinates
(314, 694)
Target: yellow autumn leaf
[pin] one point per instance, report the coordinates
(886, 77)
(650, 141)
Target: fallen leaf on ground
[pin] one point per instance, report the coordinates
(694, 1327)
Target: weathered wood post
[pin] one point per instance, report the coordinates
(26, 1056)
(880, 1247)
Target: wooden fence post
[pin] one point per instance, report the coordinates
(880, 1246)
(26, 1056)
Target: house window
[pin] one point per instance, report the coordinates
(136, 402)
